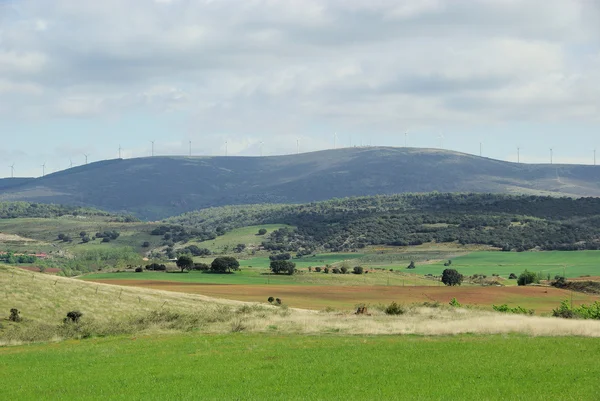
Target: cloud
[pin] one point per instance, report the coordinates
(265, 67)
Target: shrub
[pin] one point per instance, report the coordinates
(335, 270)
(512, 276)
(73, 317)
(15, 315)
(156, 267)
(309, 269)
(326, 270)
(559, 282)
(85, 239)
(451, 277)
(528, 277)
(262, 231)
(201, 267)
(224, 264)
(278, 301)
(454, 303)
(270, 299)
(395, 309)
(358, 270)
(344, 270)
(146, 244)
(565, 310)
(318, 269)
(518, 309)
(139, 269)
(411, 265)
(105, 239)
(282, 266)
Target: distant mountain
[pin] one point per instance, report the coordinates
(158, 187)
(6, 183)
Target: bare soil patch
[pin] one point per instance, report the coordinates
(542, 299)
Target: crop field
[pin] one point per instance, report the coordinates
(186, 366)
(541, 299)
(571, 264)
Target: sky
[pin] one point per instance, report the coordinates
(87, 77)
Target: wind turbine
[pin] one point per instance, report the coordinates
(594, 157)
(152, 152)
(405, 139)
(297, 146)
(480, 149)
(551, 154)
(70, 163)
(44, 169)
(261, 148)
(441, 138)
(518, 155)
(335, 140)
(86, 157)
(190, 148)
(12, 170)
(120, 151)
(225, 148)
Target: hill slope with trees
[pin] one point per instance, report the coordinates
(158, 187)
(503, 221)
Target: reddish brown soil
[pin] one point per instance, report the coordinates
(542, 299)
(51, 270)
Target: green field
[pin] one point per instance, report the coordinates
(572, 264)
(246, 235)
(260, 367)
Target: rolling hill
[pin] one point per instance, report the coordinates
(157, 187)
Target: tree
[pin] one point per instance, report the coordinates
(283, 266)
(411, 265)
(85, 239)
(358, 270)
(262, 231)
(224, 264)
(82, 234)
(185, 262)
(146, 244)
(527, 277)
(240, 248)
(451, 277)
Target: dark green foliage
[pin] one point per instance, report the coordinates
(282, 266)
(335, 270)
(15, 315)
(395, 309)
(411, 265)
(507, 222)
(185, 262)
(61, 236)
(13, 210)
(326, 270)
(278, 301)
(13, 259)
(451, 277)
(559, 282)
(224, 264)
(512, 276)
(454, 303)
(156, 267)
(85, 239)
(239, 248)
(528, 277)
(271, 299)
(517, 310)
(358, 270)
(344, 270)
(110, 235)
(318, 269)
(201, 267)
(262, 231)
(139, 269)
(146, 244)
(73, 317)
(106, 239)
(197, 251)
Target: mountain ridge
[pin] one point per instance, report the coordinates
(162, 186)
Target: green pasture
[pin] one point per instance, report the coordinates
(572, 264)
(294, 367)
(245, 235)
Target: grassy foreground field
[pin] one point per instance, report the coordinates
(260, 367)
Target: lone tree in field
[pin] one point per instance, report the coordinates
(262, 231)
(451, 277)
(283, 266)
(185, 262)
(528, 277)
(224, 264)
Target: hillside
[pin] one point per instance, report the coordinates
(159, 187)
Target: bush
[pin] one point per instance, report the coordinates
(203, 267)
(518, 309)
(156, 267)
(451, 277)
(326, 270)
(15, 315)
(139, 270)
(262, 231)
(318, 269)
(358, 270)
(146, 244)
(559, 282)
(395, 309)
(411, 265)
(565, 310)
(270, 299)
(105, 239)
(454, 303)
(73, 317)
(528, 277)
(344, 270)
(512, 276)
(278, 301)
(335, 270)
